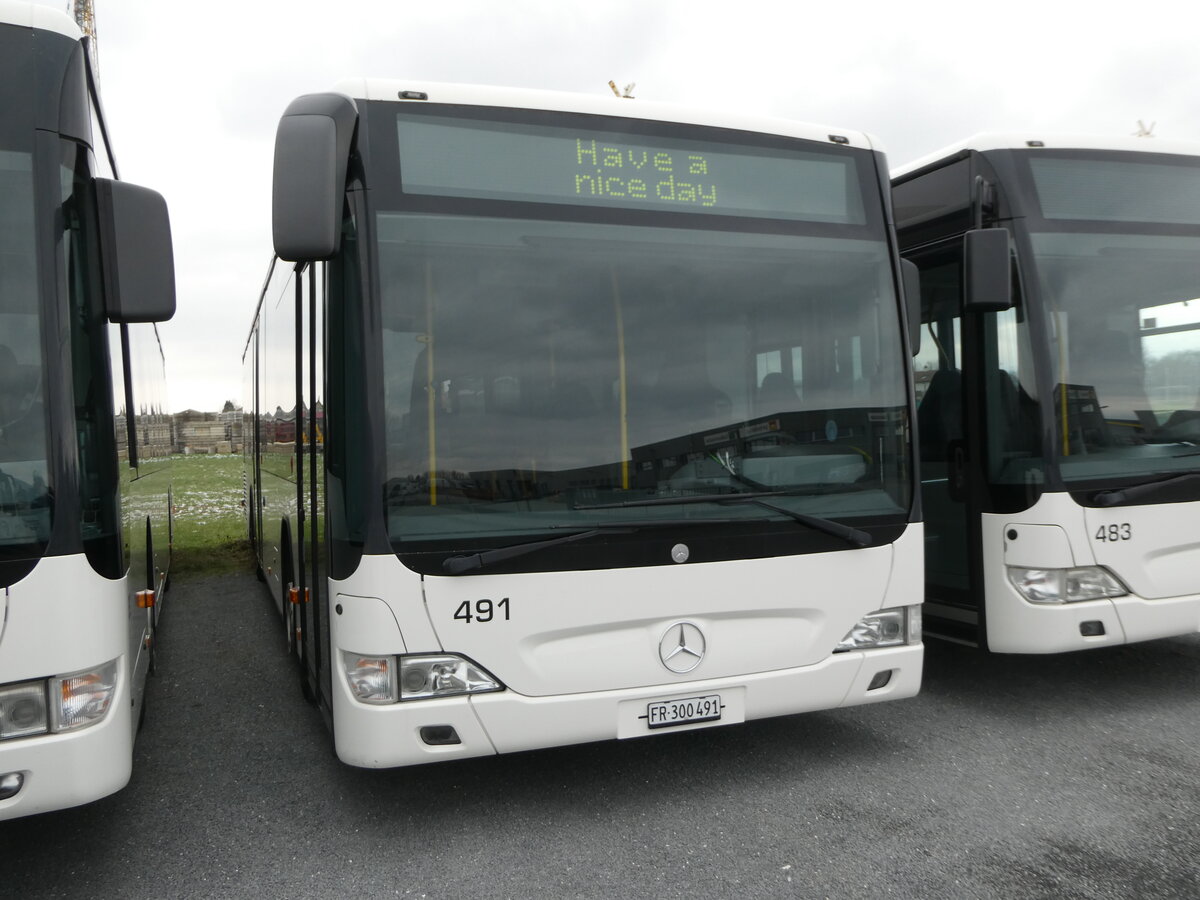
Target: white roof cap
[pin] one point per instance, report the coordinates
(559, 101)
(1033, 141)
(32, 15)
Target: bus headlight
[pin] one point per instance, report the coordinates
(885, 628)
(372, 679)
(23, 710)
(84, 698)
(1065, 585)
(444, 675)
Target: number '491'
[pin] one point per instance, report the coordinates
(1121, 532)
(481, 610)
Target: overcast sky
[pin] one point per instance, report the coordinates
(194, 91)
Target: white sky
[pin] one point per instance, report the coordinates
(194, 91)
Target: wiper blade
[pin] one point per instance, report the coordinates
(457, 565)
(758, 498)
(854, 535)
(1135, 492)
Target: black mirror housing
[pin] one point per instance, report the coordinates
(312, 150)
(986, 270)
(137, 258)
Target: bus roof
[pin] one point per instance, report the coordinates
(1033, 141)
(523, 98)
(31, 15)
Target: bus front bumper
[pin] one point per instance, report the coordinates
(1018, 626)
(506, 722)
(57, 771)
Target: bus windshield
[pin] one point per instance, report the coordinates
(24, 471)
(535, 368)
(1124, 310)
(1117, 258)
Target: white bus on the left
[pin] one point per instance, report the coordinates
(85, 270)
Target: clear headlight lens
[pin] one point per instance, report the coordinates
(443, 675)
(386, 679)
(23, 710)
(1065, 585)
(372, 679)
(885, 628)
(84, 698)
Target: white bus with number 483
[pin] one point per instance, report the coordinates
(1059, 388)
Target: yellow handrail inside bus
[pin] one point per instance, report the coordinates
(623, 397)
(1062, 384)
(431, 389)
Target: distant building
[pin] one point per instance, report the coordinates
(155, 434)
(209, 432)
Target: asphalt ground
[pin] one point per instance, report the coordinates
(1068, 776)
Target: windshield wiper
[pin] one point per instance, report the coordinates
(1118, 496)
(828, 526)
(458, 565)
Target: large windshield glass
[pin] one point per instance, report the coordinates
(1124, 313)
(536, 369)
(24, 471)
(1118, 261)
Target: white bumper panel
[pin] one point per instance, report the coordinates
(63, 770)
(55, 628)
(1147, 620)
(1014, 625)
(506, 722)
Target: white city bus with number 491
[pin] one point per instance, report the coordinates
(576, 419)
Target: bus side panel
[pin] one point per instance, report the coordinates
(277, 423)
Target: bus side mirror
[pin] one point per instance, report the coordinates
(312, 151)
(986, 270)
(137, 258)
(912, 302)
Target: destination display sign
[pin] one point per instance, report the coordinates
(493, 160)
(1118, 189)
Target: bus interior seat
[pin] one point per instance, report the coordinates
(939, 417)
(776, 394)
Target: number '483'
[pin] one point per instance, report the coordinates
(1121, 532)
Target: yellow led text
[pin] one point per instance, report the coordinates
(638, 174)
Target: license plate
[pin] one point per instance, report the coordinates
(669, 713)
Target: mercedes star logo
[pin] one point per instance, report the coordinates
(682, 647)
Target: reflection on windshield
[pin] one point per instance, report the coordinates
(535, 368)
(24, 493)
(1125, 314)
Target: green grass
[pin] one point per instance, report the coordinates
(210, 522)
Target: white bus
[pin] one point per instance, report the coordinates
(1057, 385)
(579, 418)
(85, 261)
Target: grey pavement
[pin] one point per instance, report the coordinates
(1067, 776)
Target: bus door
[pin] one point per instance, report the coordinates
(309, 617)
(945, 379)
